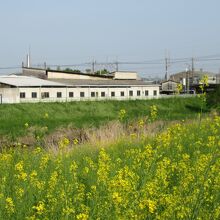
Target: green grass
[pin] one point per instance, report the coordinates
(92, 114)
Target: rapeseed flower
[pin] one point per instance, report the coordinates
(9, 205)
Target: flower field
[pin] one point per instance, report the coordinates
(174, 175)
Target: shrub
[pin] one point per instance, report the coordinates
(213, 98)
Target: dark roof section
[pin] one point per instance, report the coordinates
(110, 76)
(84, 74)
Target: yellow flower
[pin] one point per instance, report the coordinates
(86, 170)
(23, 176)
(75, 141)
(73, 166)
(20, 192)
(44, 161)
(64, 143)
(37, 150)
(9, 206)
(68, 211)
(53, 180)
(148, 203)
(141, 123)
(26, 125)
(19, 166)
(46, 115)
(121, 114)
(133, 135)
(39, 208)
(153, 112)
(116, 197)
(179, 88)
(33, 174)
(82, 216)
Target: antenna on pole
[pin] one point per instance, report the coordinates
(116, 64)
(29, 57)
(193, 70)
(166, 65)
(93, 66)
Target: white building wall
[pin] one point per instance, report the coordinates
(9, 95)
(12, 95)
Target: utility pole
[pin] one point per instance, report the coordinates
(166, 68)
(193, 70)
(116, 66)
(93, 66)
(187, 79)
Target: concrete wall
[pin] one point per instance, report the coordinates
(40, 73)
(125, 75)
(58, 75)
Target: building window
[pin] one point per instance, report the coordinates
(102, 94)
(45, 95)
(138, 93)
(112, 94)
(92, 94)
(34, 95)
(130, 93)
(71, 94)
(155, 92)
(82, 94)
(122, 93)
(59, 94)
(22, 95)
(146, 93)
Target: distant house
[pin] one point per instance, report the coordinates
(191, 80)
(194, 77)
(169, 87)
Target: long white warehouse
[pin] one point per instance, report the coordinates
(19, 89)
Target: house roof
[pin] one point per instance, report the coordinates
(169, 80)
(26, 81)
(99, 83)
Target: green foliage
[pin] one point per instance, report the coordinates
(72, 70)
(102, 72)
(213, 98)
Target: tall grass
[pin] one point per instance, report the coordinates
(88, 114)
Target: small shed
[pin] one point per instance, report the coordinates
(169, 87)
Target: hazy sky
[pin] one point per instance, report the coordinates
(71, 32)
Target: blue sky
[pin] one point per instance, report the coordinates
(70, 32)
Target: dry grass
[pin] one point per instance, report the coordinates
(104, 135)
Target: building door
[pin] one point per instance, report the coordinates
(0, 98)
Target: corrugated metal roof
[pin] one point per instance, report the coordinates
(25, 81)
(84, 82)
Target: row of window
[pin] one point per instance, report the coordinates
(82, 94)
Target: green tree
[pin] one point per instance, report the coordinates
(102, 72)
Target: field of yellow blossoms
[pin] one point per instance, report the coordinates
(174, 175)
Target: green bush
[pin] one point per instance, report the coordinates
(213, 98)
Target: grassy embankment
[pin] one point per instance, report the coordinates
(89, 114)
(173, 175)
